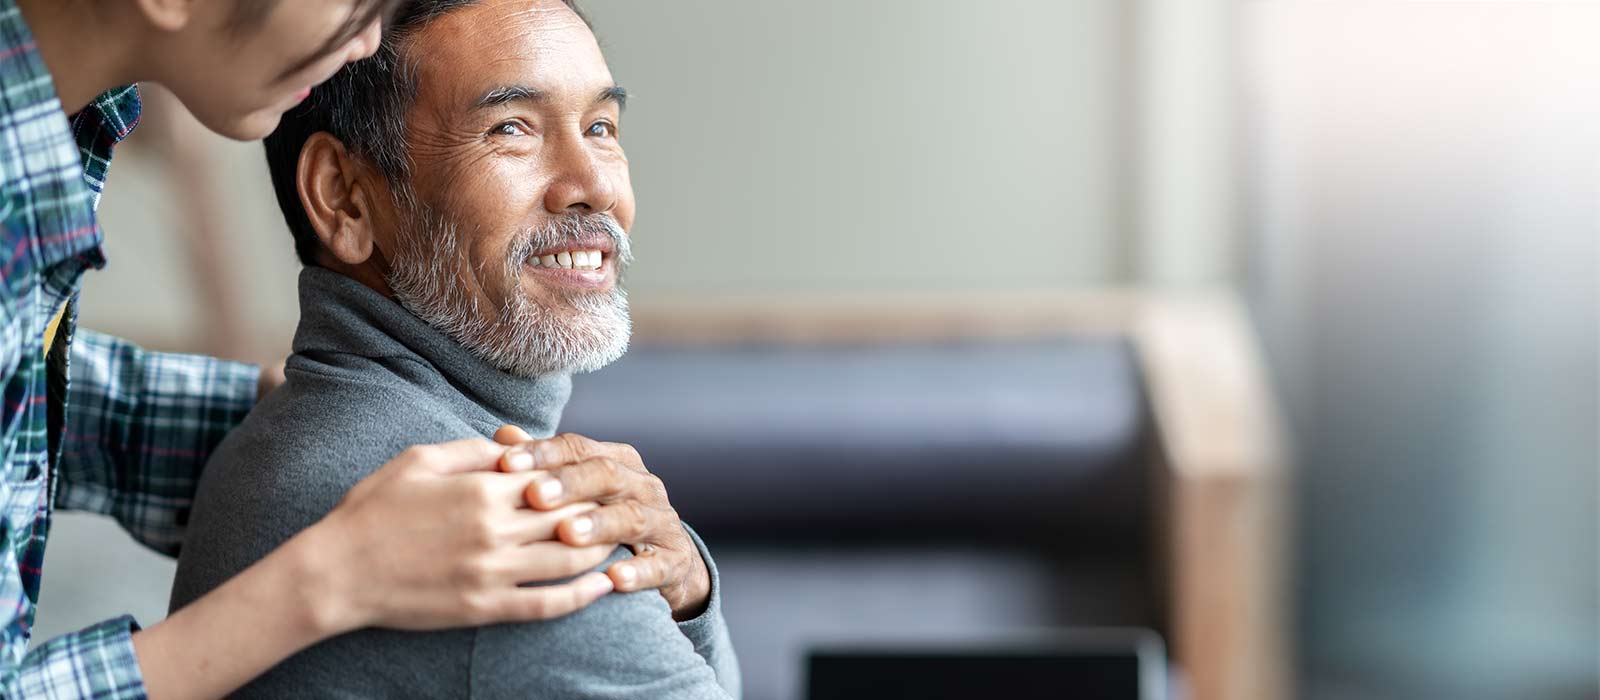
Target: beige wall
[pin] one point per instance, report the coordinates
(846, 145)
(147, 292)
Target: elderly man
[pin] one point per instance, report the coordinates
(461, 203)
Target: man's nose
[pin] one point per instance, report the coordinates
(580, 184)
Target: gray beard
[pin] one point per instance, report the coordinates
(582, 333)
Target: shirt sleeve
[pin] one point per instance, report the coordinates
(708, 631)
(139, 428)
(623, 646)
(97, 662)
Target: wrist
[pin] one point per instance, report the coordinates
(690, 598)
(320, 583)
(218, 642)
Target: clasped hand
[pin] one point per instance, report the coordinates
(633, 510)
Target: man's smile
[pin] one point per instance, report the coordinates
(584, 268)
(572, 259)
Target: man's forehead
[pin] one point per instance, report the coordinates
(539, 44)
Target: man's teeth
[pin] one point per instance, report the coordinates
(572, 260)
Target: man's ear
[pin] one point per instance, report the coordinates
(167, 15)
(335, 201)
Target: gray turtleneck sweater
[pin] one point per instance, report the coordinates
(368, 379)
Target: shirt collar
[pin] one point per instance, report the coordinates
(99, 127)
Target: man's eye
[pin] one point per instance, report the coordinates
(602, 130)
(506, 129)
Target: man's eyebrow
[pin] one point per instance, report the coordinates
(506, 94)
(615, 93)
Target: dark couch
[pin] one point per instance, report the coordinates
(937, 487)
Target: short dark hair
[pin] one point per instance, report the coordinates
(364, 106)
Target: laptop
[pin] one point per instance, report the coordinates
(1082, 664)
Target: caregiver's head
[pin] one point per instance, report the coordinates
(471, 170)
(237, 65)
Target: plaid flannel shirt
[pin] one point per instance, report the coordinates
(99, 424)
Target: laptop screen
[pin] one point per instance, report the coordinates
(1108, 665)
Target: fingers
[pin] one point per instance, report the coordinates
(546, 602)
(466, 455)
(647, 569)
(516, 459)
(539, 525)
(565, 448)
(595, 479)
(509, 435)
(497, 491)
(545, 561)
(626, 522)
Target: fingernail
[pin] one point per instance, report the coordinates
(598, 585)
(518, 459)
(549, 488)
(628, 574)
(581, 527)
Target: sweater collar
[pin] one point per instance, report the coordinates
(341, 315)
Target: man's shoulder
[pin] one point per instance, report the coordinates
(291, 461)
(325, 429)
(333, 422)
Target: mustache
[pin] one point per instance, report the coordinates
(579, 229)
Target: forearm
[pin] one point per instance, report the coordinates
(243, 628)
(140, 426)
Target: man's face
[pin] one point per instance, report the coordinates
(510, 234)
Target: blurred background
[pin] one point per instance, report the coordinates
(1404, 197)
